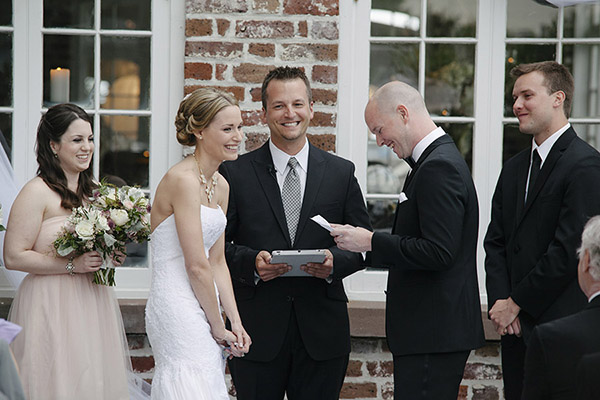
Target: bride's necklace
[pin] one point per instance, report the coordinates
(209, 187)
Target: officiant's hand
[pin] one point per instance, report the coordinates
(352, 238)
(322, 270)
(268, 271)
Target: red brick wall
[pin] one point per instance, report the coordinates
(370, 370)
(232, 44)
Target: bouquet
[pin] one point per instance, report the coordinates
(113, 217)
(2, 228)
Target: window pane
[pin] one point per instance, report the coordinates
(382, 213)
(462, 134)
(75, 53)
(451, 18)
(521, 54)
(124, 149)
(449, 76)
(514, 141)
(69, 14)
(526, 18)
(394, 62)
(6, 14)
(395, 18)
(6, 133)
(6, 70)
(385, 171)
(582, 21)
(126, 14)
(583, 61)
(126, 67)
(589, 132)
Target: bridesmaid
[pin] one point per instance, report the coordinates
(73, 344)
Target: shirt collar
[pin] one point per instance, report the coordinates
(592, 297)
(281, 158)
(426, 141)
(544, 148)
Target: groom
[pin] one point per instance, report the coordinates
(298, 325)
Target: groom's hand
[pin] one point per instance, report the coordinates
(268, 271)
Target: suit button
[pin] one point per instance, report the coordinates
(290, 298)
(517, 249)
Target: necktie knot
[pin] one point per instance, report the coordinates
(292, 162)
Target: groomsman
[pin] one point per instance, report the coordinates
(433, 313)
(299, 325)
(544, 196)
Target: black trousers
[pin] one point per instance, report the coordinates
(513, 350)
(292, 372)
(434, 376)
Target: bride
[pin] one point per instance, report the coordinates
(190, 276)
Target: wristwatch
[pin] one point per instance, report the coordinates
(70, 267)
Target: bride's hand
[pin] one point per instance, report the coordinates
(243, 341)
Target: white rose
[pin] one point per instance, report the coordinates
(120, 217)
(111, 195)
(143, 202)
(85, 230)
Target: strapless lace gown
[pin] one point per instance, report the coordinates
(73, 344)
(189, 363)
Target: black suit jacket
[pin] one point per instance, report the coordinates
(256, 221)
(432, 293)
(531, 248)
(588, 377)
(554, 351)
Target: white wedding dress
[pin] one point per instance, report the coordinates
(189, 363)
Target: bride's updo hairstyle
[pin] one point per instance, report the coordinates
(197, 111)
(52, 127)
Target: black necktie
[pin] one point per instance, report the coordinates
(410, 161)
(534, 171)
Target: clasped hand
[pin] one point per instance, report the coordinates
(268, 271)
(505, 317)
(236, 342)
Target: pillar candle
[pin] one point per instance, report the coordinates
(59, 85)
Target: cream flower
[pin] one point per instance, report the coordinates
(85, 230)
(119, 217)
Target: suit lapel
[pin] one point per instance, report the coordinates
(555, 154)
(438, 142)
(521, 182)
(265, 172)
(314, 175)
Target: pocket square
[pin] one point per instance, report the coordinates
(402, 198)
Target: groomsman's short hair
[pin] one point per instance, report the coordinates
(556, 77)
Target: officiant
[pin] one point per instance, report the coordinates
(299, 325)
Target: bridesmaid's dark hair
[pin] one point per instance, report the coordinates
(52, 126)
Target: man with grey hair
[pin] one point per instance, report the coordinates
(556, 347)
(433, 314)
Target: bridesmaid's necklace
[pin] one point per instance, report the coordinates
(209, 187)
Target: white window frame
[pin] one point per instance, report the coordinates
(167, 58)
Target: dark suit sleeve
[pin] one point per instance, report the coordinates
(355, 214)
(442, 196)
(497, 279)
(555, 270)
(535, 383)
(240, 259)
